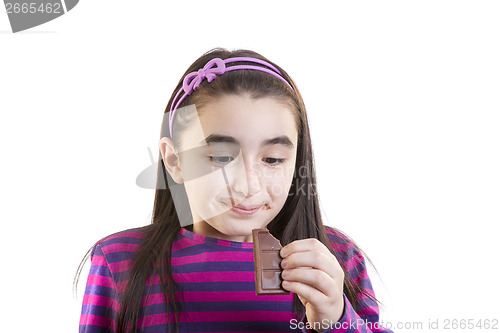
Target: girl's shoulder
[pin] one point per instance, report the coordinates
(128, 240)
(345, 249)
(338, 237)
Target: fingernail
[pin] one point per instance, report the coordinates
(283, 263)
(283, 252)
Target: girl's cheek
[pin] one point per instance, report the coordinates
(278, 186)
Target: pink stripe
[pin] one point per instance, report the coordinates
(119, 247)
(353, 261)
(120, 266)
(99, 280)
(223, 242)
(99, 260)
(214, 256)
(218, 316)
(96, 320)
(229, 276)
(100, 301)
(182, 244)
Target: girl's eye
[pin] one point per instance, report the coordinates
(229, 159)
(274, 161)
(220, 159)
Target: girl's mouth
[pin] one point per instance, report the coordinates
(246, 210)
(242, 211)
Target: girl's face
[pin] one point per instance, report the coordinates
(240, 152)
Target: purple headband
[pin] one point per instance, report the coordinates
(216, 66)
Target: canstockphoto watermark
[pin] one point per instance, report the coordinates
(147, 178)
(326, 324)
(28, 14)
(453, 325)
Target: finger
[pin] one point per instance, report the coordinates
(326, 263)
(312, 277)
(309, 293)
(303, 245)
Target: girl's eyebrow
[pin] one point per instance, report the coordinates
(279, 140)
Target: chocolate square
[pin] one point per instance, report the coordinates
(266, 252)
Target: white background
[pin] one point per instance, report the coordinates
(404, 106)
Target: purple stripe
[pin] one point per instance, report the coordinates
(217, 278)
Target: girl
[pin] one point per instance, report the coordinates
(236, 154)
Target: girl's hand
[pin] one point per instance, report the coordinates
(312, 272)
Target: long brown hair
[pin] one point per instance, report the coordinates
(299, 218)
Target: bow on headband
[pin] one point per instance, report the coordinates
(192, 80)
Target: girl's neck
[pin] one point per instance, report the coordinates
(203, 228)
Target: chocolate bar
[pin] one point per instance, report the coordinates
(266, 254)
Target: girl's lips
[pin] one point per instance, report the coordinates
(244, 210)
(248, 207)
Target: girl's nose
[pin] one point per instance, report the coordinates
(247, 179)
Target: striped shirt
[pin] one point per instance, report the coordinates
(217, 278)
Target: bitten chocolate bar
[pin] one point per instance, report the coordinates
(266, 254)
